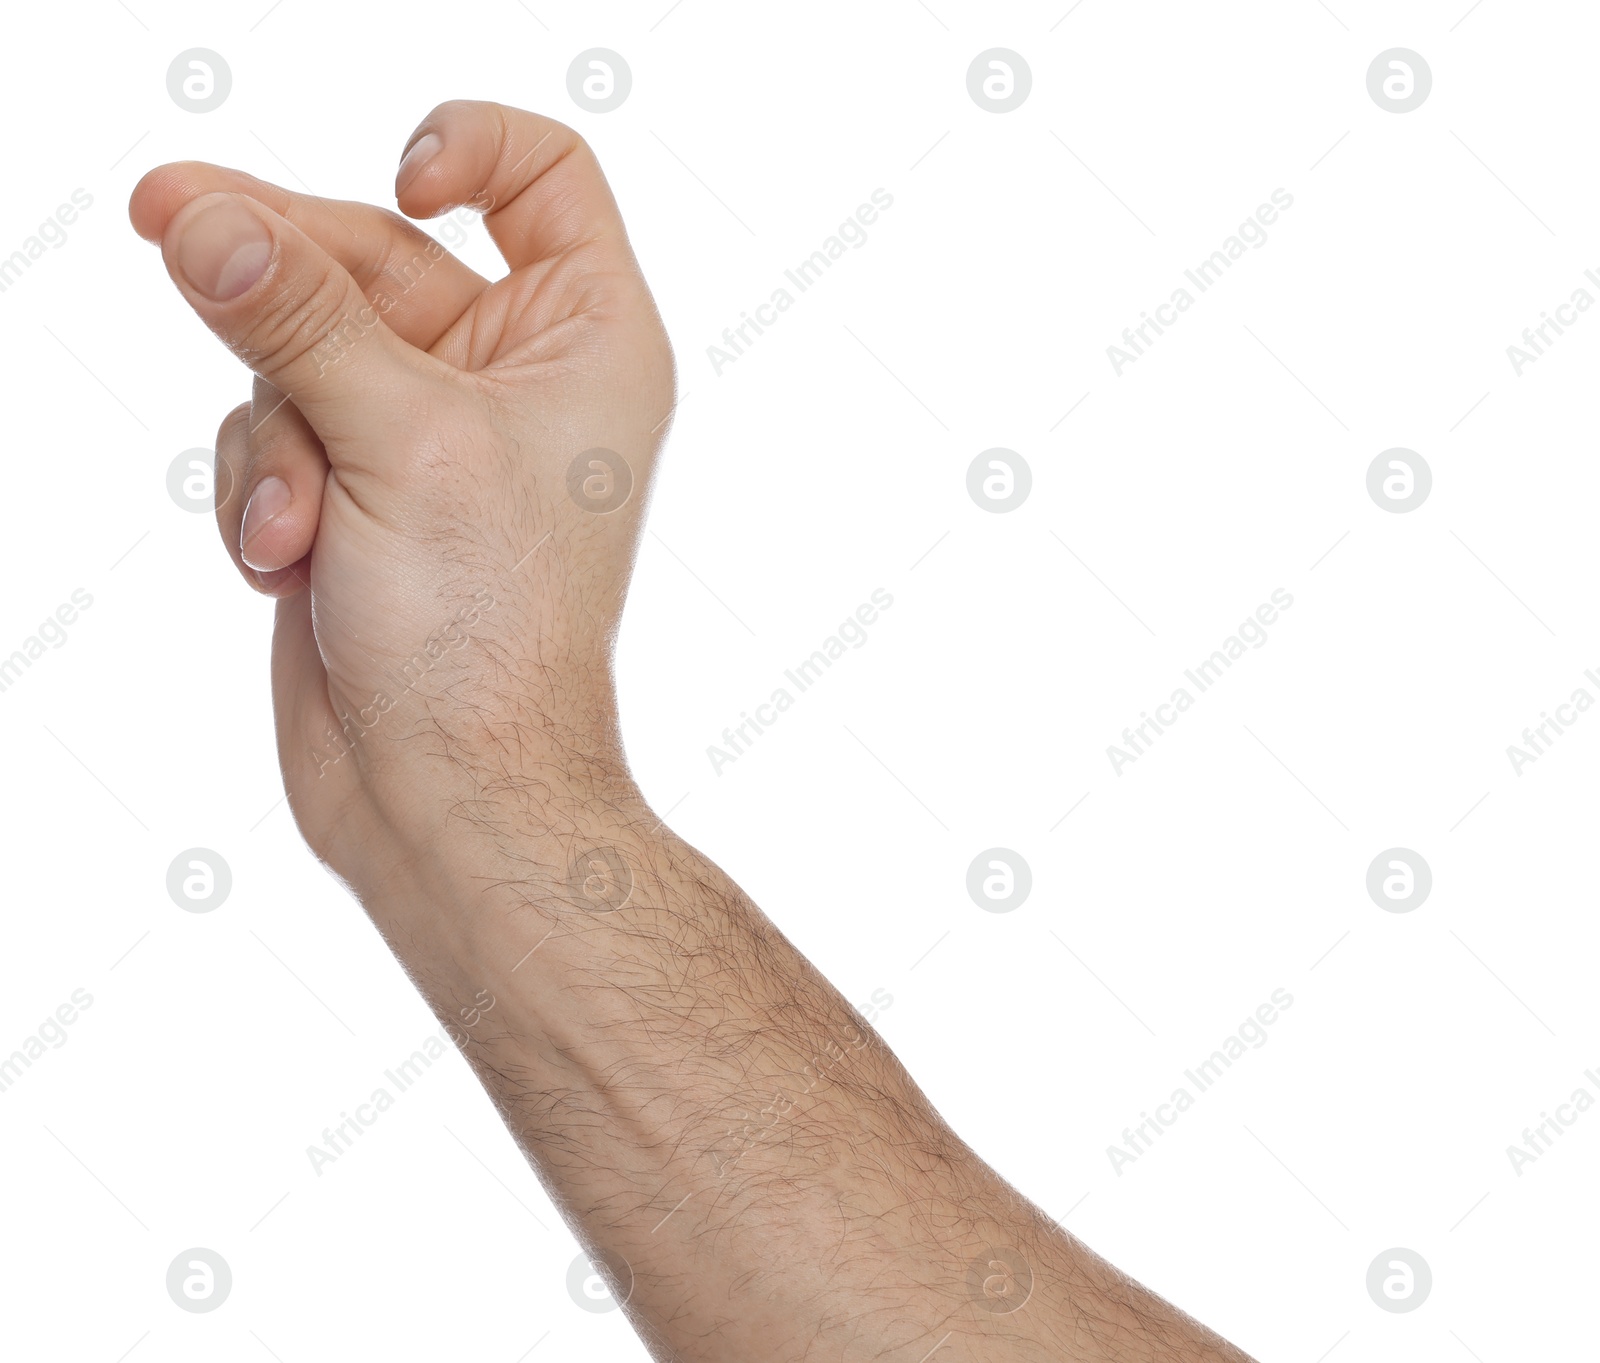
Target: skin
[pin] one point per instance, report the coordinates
(755, 1169)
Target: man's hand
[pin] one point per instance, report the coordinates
(463, 468)
(428, 456)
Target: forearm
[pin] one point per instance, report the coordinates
(474, 469)
(702, 1103)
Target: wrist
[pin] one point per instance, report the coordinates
(468, 871)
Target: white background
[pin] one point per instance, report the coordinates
(830, 460)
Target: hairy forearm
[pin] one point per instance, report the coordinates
(710, 1112)
(457, 461)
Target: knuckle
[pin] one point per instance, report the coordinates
(233, 424)
(276, 442)
(399, 226)
(231, 455)
(294, 453)
(273, 421)
(516, 126)
(566, 141)
(304, 325)
(397, 262)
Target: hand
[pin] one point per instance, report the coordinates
(401, 475)
(448, 591)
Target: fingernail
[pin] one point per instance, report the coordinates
(411, 164)
(269, 581)
(224, 251)
(270, 497)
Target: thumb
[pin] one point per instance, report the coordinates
(296, 317)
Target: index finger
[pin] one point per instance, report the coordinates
(426, 287)
(546, 192)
